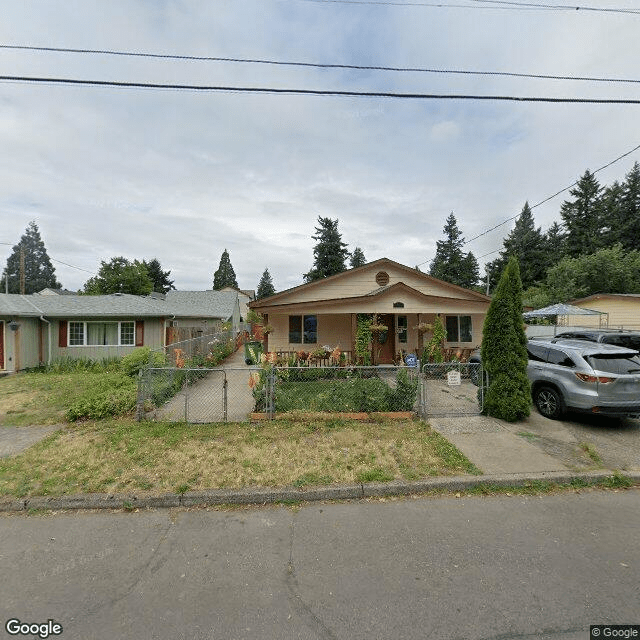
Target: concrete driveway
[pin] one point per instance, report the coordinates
(615, 441)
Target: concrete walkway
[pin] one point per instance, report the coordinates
(203, 401)
(493, 447)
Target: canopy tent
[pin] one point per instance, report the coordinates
(561, 310)
(564, 310)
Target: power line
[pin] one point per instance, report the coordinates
(310, 92)
(484, 233)
(494, 4)
(318, 65)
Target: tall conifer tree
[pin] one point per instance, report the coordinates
(582, 217)
(330, 253)
(265, 286)
(357, 258)
(225, 276)
(38, 271)
(451, 263)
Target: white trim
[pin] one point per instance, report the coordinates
(84, 333)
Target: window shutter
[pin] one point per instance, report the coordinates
(62, 333)
(139, 333)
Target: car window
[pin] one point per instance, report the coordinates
(537, 352)
(555, 356)
(631, 342)
(615, 364)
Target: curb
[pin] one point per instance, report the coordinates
(264, 496)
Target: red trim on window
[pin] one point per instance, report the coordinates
(139, 333)
(62, 333)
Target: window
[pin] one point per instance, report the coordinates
(560, 357)
(93, 334)
(402, 329)
(76, 333)
(296, 326)
(459, 328)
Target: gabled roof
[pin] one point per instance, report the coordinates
(370, 266)
(117, 304)
(181, 304)
(210, 303)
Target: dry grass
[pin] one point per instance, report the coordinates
(123, 455)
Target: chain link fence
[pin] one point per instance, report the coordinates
(232, 393)
(452, 389)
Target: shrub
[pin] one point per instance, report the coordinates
(110, 394)
(68, 364)
(140, 359)
(504, 351)
(403, 397)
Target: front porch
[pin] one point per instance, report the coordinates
(309, 332)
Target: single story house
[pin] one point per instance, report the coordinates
(201, 312)
(622, 309)
(324, 313)
(38, 329)
(245, 296)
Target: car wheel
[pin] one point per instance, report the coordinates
(549, 403)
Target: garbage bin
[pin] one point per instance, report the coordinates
(252, 352)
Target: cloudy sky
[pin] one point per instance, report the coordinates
(181, 175)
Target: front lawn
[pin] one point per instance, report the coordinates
(121, 455)
(49, 398)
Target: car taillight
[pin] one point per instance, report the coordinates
(585, 377)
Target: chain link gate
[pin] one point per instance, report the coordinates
(451, 389)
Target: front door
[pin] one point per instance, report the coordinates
(385, 342)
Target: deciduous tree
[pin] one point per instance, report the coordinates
(120, 275)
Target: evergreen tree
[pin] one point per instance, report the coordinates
(525, 242)
(553, 242)
(39, 273)
(357, 258)
(504, 352)
(330, 253)
(159, 278)
(120, 275)
(451, 263)
(583, 217)
(611, 226)
(265, 286)
(225, 276)
(629, 218)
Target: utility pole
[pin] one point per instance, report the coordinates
(22, 288)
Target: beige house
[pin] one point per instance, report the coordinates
(324, 313)
(622, 309)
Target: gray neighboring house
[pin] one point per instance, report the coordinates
(39, 329)
(199, 309)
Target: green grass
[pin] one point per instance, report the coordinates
(590, 450)
(45, 398)
(120, 455)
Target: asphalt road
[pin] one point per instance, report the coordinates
(494, 568)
